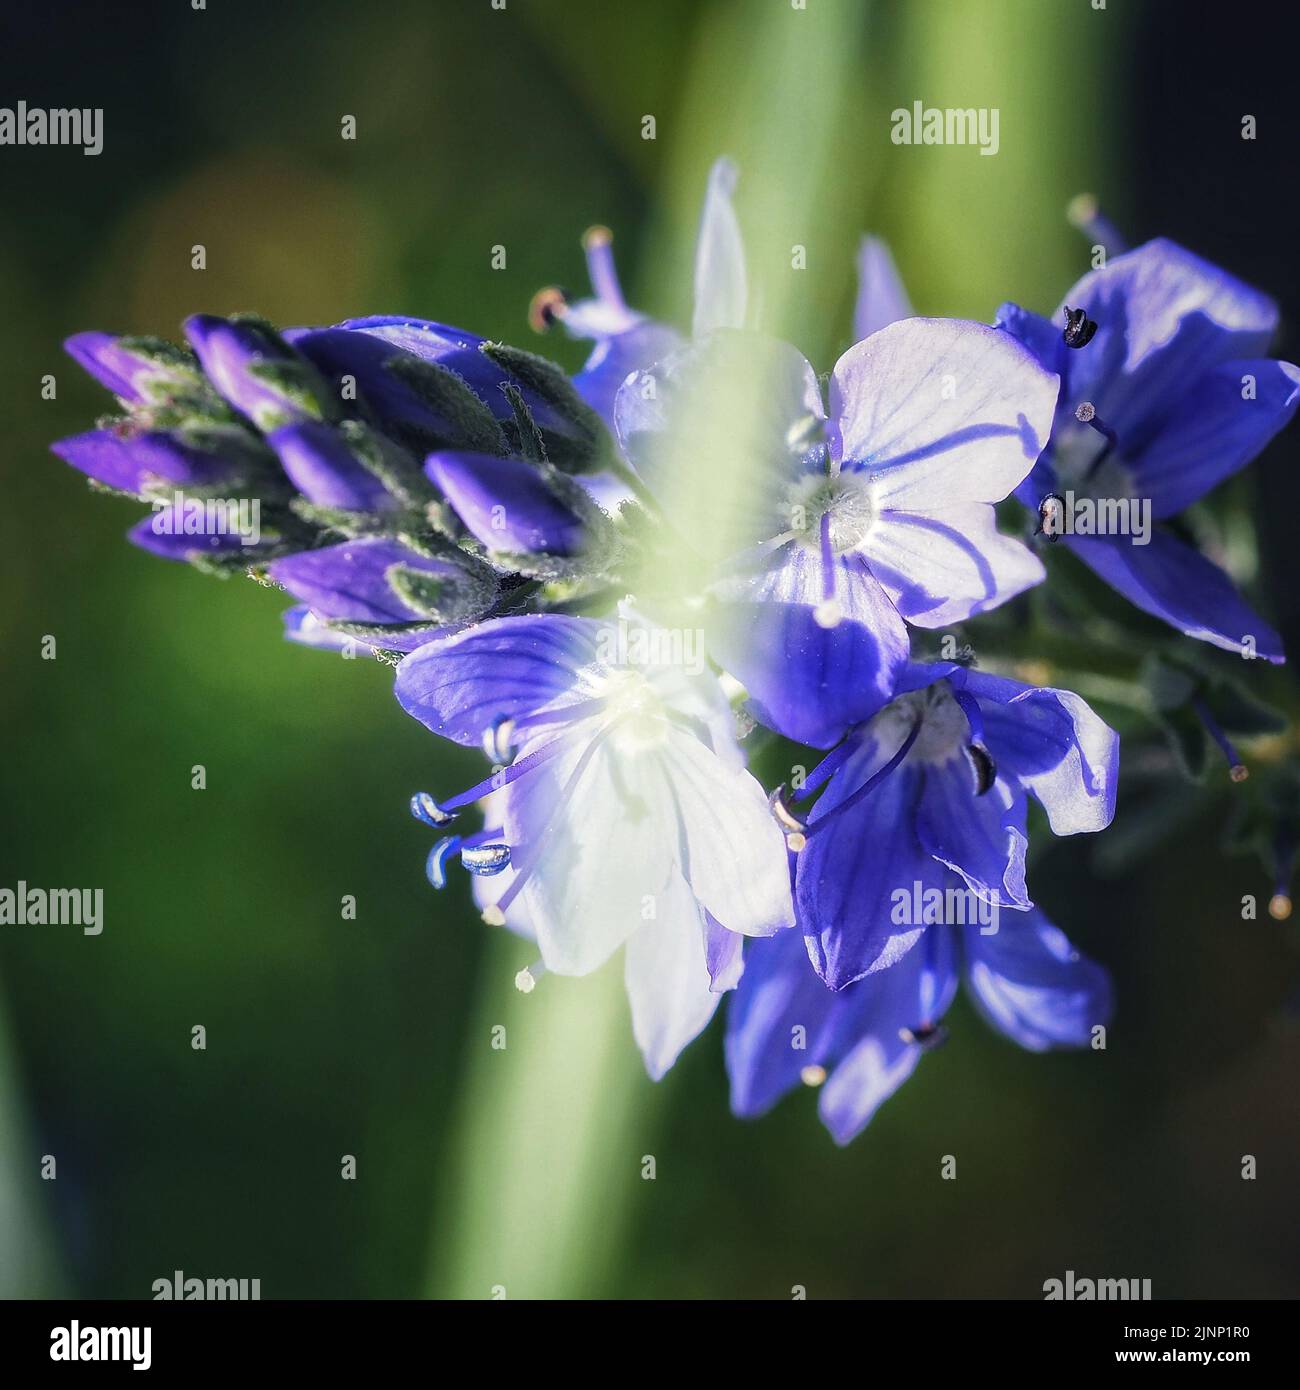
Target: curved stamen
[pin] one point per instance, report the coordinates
(870, 784)
(1237, 770)
(825, 769)
(435, 867)
(828, 613)
(444, 811)
(794, 829)
(597, 243)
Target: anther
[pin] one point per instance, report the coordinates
(497, 741)
(926, 1036)
(983, 766)
(1279, 907)
(526, 980)
(493, 916)
(1051, 517)
(1086, 414)
(828, 614)
(1079, 328)
(1237, 770)
(485, 860)
(812, 1075)
(796, 830)
(546, 307)
(435, 867)
(425, 809)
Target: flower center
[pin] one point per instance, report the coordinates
(844, 500)
(945, 730)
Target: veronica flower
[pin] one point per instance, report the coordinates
(849, 523)
(625, 815)
(784, 1026)
(1170, 395)
(937, 783)
(626, 340)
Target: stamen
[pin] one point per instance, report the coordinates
(1084, 213)
(825, 769)
(435, 867)
(1045, 527)
(828, 613)
(526, 980)
(497, 743)
(1079, 328)
(546, 307)
(926, 1036)
(596, 242)
(795, 829)
(982, 763)
(493, 915)
(872, 782)
(485, 860)
(1237, 770)
(1279, 905)
(812, 1075)
(502, 778)
(425, 809)
(1086, 414)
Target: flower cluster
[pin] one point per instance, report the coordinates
(619, 585)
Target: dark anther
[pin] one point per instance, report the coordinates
(1079, 328)
(926, 1036)
(547, 306)
(1051, 518)
(985, 769)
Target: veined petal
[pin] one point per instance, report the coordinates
(1053, 743)
(616, 357)
(730, 850)
(506, 668)
(1171, 581)
(847, 874)
(942, 567)
(808, 681)
(1032, 985)
(940, 412)
(982, 838)
(598, 831)
(779, 1021)
(667, 978)
(1215, 431)
(883, 1013)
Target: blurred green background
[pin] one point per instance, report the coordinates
(521, 1168)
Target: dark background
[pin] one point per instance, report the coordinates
(370, 1037)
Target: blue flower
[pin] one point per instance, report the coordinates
(625, 815)
(626, 340)
(936, 783)
(784, 1025)
(852, 522)
(1175, 396)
